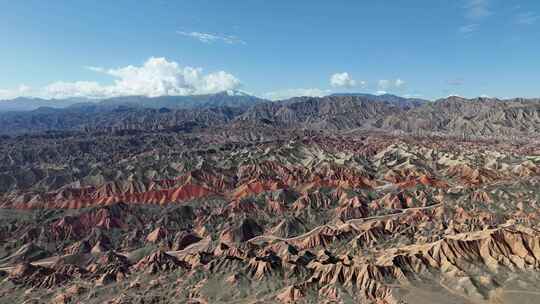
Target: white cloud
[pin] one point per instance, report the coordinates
(218, 82)
(156, 77)
(385, 85)
(416, 95)
(211, 38)
(95, 69)
(285, 94)
(381, 92)
(22, 90)
(399, 83)
(477, 9)
(527, 18)
(342, 80)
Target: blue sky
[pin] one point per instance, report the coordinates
(277, 48)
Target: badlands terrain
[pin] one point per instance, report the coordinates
(341, 199)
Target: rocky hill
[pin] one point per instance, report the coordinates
(402, 102)
(222, 99)
(296, 217)
(471, 117)
(340, 199)
(453, 116)
(331, 112)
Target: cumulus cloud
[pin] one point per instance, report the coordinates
(285, 94)
(22, 90)
(399, 83)
(384, 85)
(211, 38)
(156, 77)
(342, 80)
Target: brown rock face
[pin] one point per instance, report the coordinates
(157, 235)
(183, 239)
(247, 230)
(290, 294)
(36, 276)
(158, 262)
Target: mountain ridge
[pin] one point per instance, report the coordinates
(452, 116)
(225, 98)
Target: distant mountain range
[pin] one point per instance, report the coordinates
(223, 99)
(29, 104)
(454, 116)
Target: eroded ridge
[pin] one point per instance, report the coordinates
(303, 218)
